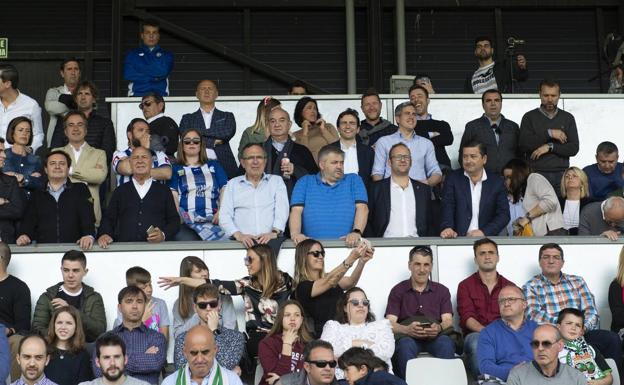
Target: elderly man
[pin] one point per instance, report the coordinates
(88, 164)
(254, 206)
(141, 210)
(153, 108)
(59, 100)
(319, 366)
(419, 310)
(200, 350)
(505, 342)
(217, 127)
(33, 357)
(545, 367)
(330, 204)
(498, 134)
(604, 218)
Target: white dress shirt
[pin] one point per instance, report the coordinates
(350, 158)
(402, 211)
(475, 193)
(142, 189)
(23, 106)
(207, 117)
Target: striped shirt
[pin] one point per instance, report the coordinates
(328, 210)
(42, 381)
(198, 188)
(545, 300)
(159, 159)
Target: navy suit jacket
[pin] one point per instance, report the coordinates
(366, 157)
(499, 153)
(379, 208)
(457, 204)
(222, 126)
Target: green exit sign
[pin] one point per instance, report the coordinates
(4, 47)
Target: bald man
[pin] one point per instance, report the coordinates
(200, 349)
(603, 218)
(32, 357)
(545, 367)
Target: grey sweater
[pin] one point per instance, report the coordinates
(534, 133)
(527, 374)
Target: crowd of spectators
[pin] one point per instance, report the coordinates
(182, 183)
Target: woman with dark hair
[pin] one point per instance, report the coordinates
(281, 351)
(196, 184)
(574, 196)
(70, 363)
(259, 131)
(184, 316)
(315, 132)
(263, 291)
(20, 163)
(532, 199)
(355, 325)
(362, 367)
(319, 291)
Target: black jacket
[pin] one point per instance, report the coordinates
(298, 155)
(440, 141)
(128, 217)
(13, 211)
(498, 155)
(366, 157)
(65, 221)
(379, 208)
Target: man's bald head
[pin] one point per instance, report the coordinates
(200, 349)
(614, 210)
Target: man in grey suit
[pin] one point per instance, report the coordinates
(603, 218)
(498, 134)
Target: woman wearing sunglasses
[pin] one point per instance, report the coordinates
(355, 325)
(281, 351)
(196, 184)
(263, 291)
(319, 291)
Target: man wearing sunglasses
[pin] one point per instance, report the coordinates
(319, 366)
(230, 343)
(505, 342)
(545, 367)
(153, 108)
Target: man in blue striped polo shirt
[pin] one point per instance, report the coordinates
(330, 204)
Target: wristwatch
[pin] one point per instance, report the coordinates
(277, 232)
(357, 231)
(550, 147)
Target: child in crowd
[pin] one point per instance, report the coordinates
(156, 316)
(577, 352)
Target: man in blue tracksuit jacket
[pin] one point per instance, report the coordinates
(147, 68)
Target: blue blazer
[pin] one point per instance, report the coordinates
(222, 126)
(457, 204)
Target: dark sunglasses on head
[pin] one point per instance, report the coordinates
(204, 305)
(145, 104)
(323, 363)
(356, 302)
(317, 253)
(535, 344)
(423, 249)
(192, 140)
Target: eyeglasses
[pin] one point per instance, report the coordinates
(204, 305)
(357, 302)
(323, 363)
(509, 300)
(248, 259)
(535, 344)
(401, 157)
(317, 253)
(191, 141)
(146, 103)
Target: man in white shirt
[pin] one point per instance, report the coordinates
(14, 103)
(59, 100)
(399, 206)
(359, 157)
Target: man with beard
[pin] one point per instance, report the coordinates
(111, 358)
(491, 74)
(374, 126)
(147, 348)
(32, 357)
(548, 136)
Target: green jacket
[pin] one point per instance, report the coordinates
(91, 311)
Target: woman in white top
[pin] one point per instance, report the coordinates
(574, 196)
(356, 326)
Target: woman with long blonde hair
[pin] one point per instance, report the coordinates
(616, 298)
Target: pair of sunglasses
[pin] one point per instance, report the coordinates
(317, 253)
(535, 344)
(193, 141)
(357, 302)
(145, 104)
(204, 305)
(323, 363)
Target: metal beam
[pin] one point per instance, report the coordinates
(350, 40)
(500, 37)
(226, 52)
(87, 71)
(375, 46)
(116, 46)
(247, 49)
(600, 34)
(58, 55)
(400, 37)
